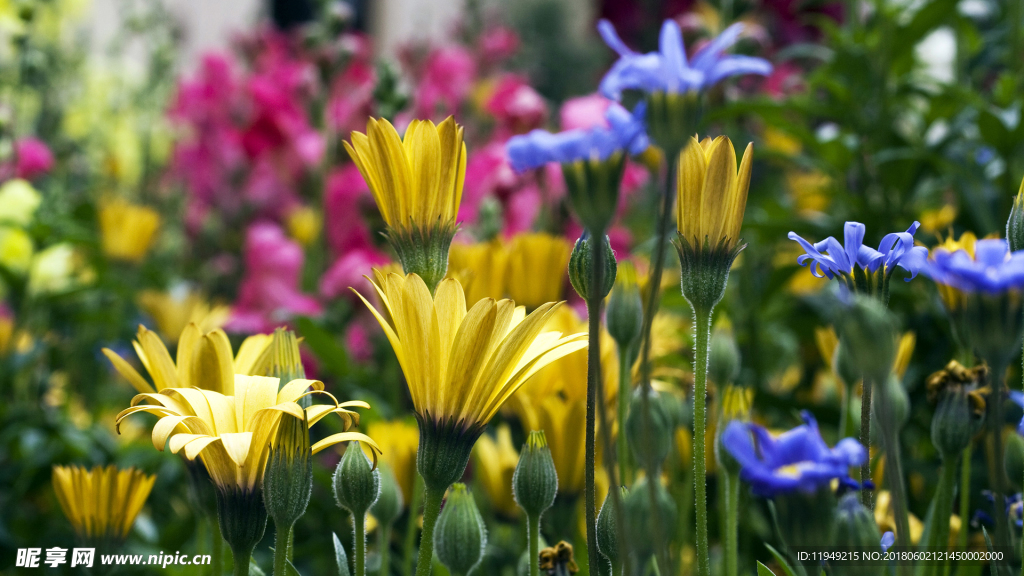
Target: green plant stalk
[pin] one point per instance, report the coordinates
(732, 503)
(995, 425)
(625, 389)
(965, 503)
(865, 440)
(701, 351)
(217, 546)
(533, 533)
(359, 523)
(593, 369)
(894, 477)
(281, 537)
(431, 510)
(241, 558)
(939, 535)
(650, 309)
(385, 549)
(410, 529)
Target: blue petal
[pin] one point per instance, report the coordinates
(736, 66)
(888, 539)
(710, 52)
(670, 44)
(853, 239)
(611, 38)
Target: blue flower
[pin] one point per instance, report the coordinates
(992, 270)
(796, 460)
(1018, 398)
(829, 258)
(888, 539)
(667, 69)
(625, 131)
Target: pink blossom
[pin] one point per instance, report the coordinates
(33, 158)
(521, 210)
(351, 99)
(487, 174)
(584, 112)
(345, 198)
(358, 341)
(347, 272)
(447, 78)
(498, 43)
(270, 294)
(517, 107)
(786, 79)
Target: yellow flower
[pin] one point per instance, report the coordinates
(460, 365)
(537, 268)
(232, 434)
(101, 503)
(398, 440)
(555, 401)
(416, 181)
(127, 230)
(809, 190)
(712, 194)
(18, 202)
(203, 360)
(304, 224)
(177, 308)
(16, 249)
(776, 140)
(937, 220)
(886, 520)
(496, 461)
(904, 351)
(954, 298)
(481, 268)
(56, 269)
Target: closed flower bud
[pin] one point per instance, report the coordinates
(724, 358)
(735, 405)
(641, 518)
(955, 422)
(625, 314)
(535, 481)
(1015, 224)
(389, 504)
(649, 439)
(282, 360)
(869, 332)
(288, 480)
(607, 532)
(1013, 460)
(460, 536)
(844, 366)
(581, 264)
(593, 187)
(356, 482)
(854, 527)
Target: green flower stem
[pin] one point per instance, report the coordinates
(651, 308)
(865, 441)
(281, 537)
(241, 558)
(732, 503)
(894, 477)
(593, 374)
(701, 352)
(217, 552)
(359, 523)
(939, 535)
(410, 530)
(431, 510)
(995, 425)
(533, 530)
(625, 389)
(965, 502)
(385, 549)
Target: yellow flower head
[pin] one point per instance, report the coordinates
(416, 180)
(712, 193)
(954, 298)
(938, 219)
(461, 366)
(537, 268)
(481, 268)
(398, 440)
(233, 434)
(496, 460)
(101, 503)
(127, 230)
(203, 360)
(175, 309)
(18, 202)
(16, 249)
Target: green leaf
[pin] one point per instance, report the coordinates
(334, 357)
(290, 569)
(786, 569)
(340, 557)
(763, 570)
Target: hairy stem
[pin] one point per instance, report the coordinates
(701, 352)
(359, 534)
(281, 537)
(385, 549)
(410, 529)
(533, 530)
(865, 441)
(431, 510)
(593, 375)
(625, 389)
(939, 536)
(732, 503)
(241, 557)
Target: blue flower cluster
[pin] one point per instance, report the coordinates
(797, 459)
(668, 70)
(828, 258)
(992, 270)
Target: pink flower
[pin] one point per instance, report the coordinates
(447, 78)
(270, 295)
(358, 341)
(584, 112)
(347, 272)
(786, 79)
(33, 158)
(345, 197)
(498, 43)
(521, 210)
(487, 174)
(516, 105)
(351, 98)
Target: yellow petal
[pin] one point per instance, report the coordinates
(237, 445)
(295, 389)
(252, 394)
(251, 353)
(692, 168)
(719, 185)
(128, 372)
(347, 437)
(187, 343)
(161, 367)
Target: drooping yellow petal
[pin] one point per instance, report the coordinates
(348, 437)
(128, 372)
(158, 361)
